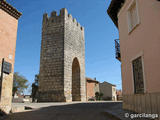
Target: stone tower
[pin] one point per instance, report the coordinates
(62, 62)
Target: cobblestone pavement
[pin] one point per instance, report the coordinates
(74, 111)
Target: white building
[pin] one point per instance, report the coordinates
(108, 90)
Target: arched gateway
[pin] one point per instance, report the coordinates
(62, 63)
(76, 81)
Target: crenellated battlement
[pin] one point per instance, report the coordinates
(69, 16)
(63, 15)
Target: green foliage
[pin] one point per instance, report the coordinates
(20, 83)
(98, 95)
(35, 88)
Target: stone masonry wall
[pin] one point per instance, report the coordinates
(74, 47)
(51, 84)
(62, 41)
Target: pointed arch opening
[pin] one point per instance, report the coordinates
(76, 80)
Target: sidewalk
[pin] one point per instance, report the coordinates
(118, 113)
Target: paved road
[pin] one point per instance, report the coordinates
(74, 111)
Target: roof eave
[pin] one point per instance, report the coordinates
(113, 10)
(10, 9)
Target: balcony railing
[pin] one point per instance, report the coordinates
(117, 47)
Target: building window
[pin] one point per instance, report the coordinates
(138, 76)
(114, 90)
(133, 18)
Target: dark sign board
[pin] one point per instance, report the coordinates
(7, 67)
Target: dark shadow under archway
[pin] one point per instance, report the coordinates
(76, 80)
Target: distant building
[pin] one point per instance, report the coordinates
(119, 94)
(108, 90)
(17, 95)
(18, 98)
(8, 35)
(92, 88)
(27, 98)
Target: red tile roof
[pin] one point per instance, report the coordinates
(91, 80)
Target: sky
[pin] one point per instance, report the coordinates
(100, 33)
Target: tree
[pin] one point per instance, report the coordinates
(35, 88)
(98, 95)
(20, 83)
